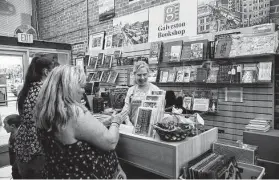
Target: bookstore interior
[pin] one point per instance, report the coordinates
(197, 106)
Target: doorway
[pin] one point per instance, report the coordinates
(11, 81)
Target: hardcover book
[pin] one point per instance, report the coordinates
(112, 77)
(86, 60)
(197, 51)
(89, 77)
(155, 52)
(179, 75)
(130, 77)
(107, 61)
(100, 60)
(202, 74)
(128, 61)
(168, 48)
(153, 73)
(164, 74)
(175, 53)
(171, 76)
(186, 52)
(265, 70)
(249, 73)
(213, 73)
(193, 74)
(187, 73)
(105, 76)
(97, 76)
(93, 62)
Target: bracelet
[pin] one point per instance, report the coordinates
(116, 123)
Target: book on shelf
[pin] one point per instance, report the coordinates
(117, 56)
(249, 73)
(171, 76)
(155, 52)
(97, 76)
(197, 51)
(179, 74)
(193, 73)
(92, 62)
(186, 52)
(127, 61)
(200, 104)
(107, 61)
(187, 102)
(130, 77)
(100, 60)
(105, 76)
(164, 74)
(175, 53)
(187, 73)
(167, 49)
(224, 74)
(202, 74)
(153, 73)
(86, 60)
(113, 76)
(89, 76)
(213, 74)
(265, 70)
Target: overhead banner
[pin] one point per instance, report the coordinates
(173, 20)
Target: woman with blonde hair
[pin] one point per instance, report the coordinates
(76, 144)
(137, 92)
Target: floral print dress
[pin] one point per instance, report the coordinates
(27, 144)
(77, 160)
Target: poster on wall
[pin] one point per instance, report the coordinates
(96, 41)
(130, 30)
(173, 20)
(108, 42)
(106, 9)
(215, 15)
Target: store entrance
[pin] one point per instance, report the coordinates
(11, 81)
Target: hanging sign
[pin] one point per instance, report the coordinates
(25, 38)
(173, 20)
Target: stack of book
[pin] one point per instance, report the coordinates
(150, 111)
(258, 124)
(213, 166)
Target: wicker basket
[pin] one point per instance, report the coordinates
(177, 133)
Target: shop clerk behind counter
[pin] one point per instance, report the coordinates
(137, 92)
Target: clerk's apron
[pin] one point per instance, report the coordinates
(135, 103)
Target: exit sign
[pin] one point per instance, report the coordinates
(25, 38)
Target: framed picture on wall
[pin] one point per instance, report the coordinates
(3, 96)
(108, 42)
(106, 9)
(79, 62)
(96, 41)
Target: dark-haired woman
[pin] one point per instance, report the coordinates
(28, 150)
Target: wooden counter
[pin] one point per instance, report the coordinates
(163, 158)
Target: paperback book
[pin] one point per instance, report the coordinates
(105, 76)
(93, 62)
(168, 49)
(155, 52)
(100, 60)
(197, 51)
(113, 76)
(153, 73)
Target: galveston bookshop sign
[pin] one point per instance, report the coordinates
(173, 20)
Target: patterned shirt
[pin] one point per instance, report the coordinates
(27, 144)
(77, 160)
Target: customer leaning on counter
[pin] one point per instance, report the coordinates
(75, 143)
(137, 92)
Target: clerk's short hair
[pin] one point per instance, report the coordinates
(56, 103)
(140, 64)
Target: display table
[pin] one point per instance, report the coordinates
(163, 158)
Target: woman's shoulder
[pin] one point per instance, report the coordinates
(154, 87)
